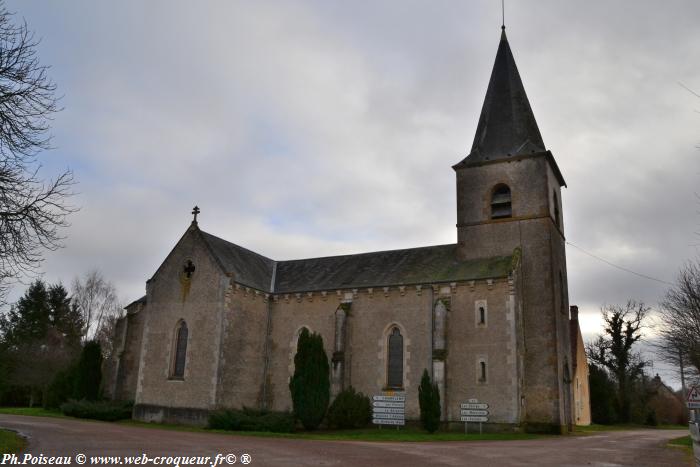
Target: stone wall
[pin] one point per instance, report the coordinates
(582, 401)
(243, 348)
(547, 397)
(493, 342)
(198, 300)
(130, 355)
(372, 313)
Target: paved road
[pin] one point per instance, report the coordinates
(53, 437)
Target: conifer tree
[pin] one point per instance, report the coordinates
(88, 374)
(310, 385)
(65, 316)
(35, 341)
(429, 401)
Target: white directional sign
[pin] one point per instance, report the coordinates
(388, 409)
(388, 404)
(474, 405)
(473, 419)
(393, 416)
(694, 398)
(385, 421)
(389, 398)
(474, 412)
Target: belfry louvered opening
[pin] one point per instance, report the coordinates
(501, 202)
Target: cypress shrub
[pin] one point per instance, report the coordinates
(429, 401)
(350, 409)
(310, 385)
(88, 373)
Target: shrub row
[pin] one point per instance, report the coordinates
(252, 420)
(97, 410)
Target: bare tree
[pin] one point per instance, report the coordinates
(105, 335)
(679, 322)
(96, 298)
(32, 210)
(613, 349)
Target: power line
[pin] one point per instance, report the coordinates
(619, 267)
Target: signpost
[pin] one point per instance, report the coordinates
(694, 398)
(473, 411)
(694, 422)
(389, 409)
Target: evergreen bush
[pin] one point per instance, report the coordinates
(651, 419)
(429, 401)
(602, 396)
(103, 410)
(350, 409)
(60, 389)
(252, 420)
(310, 385)
(88, 373)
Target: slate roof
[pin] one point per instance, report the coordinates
(507, 126)
(249, 268)
(433, 264)
(135, 302)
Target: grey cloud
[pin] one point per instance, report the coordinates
(317, 128)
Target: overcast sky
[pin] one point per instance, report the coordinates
(317, 128)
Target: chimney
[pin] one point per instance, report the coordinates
(573, 312)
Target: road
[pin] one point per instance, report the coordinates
(65, 437)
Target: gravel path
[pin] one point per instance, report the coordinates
(62, 437)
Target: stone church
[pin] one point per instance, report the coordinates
(487, 316)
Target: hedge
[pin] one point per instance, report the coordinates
(252, 420)
(97, 410)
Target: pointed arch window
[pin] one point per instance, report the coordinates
(555, 201)
(501, 202)
(395, 359)
(180, 351)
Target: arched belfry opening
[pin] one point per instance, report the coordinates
(501, 206)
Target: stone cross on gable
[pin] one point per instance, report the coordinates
(195, 211)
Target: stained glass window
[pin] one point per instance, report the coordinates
(180, 351)
(395, 366)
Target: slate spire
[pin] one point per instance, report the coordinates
(507, 126)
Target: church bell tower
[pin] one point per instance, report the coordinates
(509, 199)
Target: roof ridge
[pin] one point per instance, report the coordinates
(275, 261)
(366, 253)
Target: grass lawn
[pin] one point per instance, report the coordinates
(10, 442)
(593, 428)
(32, 411)
(684, 442)
(366, 434)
